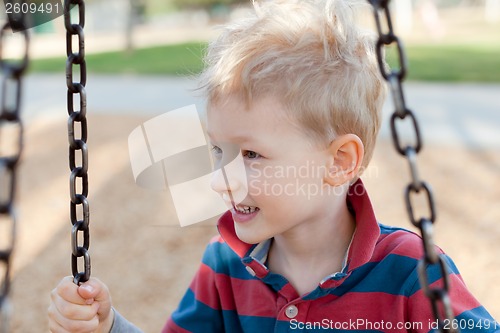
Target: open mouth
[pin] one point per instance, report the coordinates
(242, 209)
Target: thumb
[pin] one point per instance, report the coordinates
(92, 290)
(95, 291)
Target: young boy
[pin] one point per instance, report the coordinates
(296, 90)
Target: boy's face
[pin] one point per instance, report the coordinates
(283, 189)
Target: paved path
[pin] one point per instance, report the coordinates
(452, 114)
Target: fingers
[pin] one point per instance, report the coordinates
(68, 291)
(95, 290)
(62, 322)
(74, 311)
(78, 309)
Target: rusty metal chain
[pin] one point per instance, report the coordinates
(77, 123)
(395, 77)
(11, 144)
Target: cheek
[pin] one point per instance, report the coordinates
(256, 181)
(295, 178)
(262, 180)
(281, 184)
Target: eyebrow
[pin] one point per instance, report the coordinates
(239, 138)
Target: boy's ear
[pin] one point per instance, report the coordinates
(346, 153)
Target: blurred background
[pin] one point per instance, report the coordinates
(142, 60)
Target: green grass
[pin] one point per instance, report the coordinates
(180, 59)
(452, 63)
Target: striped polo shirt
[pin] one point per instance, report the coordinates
(378, 289)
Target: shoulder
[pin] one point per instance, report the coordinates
(218, 249)
(405, 248)
(221, 258)
(400, 242)
(393, 266)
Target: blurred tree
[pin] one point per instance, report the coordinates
(136, 10)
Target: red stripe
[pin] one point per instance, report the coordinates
(368, 308)
(247, 297)
(203, 287)
(220, 291)
(367, 229)
(359, 311)
(400, 242)
(172, 327)
(461, 299)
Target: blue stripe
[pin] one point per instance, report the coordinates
(387, 229)
(276, 281)
(394, 275)
(477, 320)
(194, 316)
(248, 324)
(222, 260)
(197, 317)
(434, 272)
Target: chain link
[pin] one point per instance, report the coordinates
(11, 144)
(77, 122)
(395, 77)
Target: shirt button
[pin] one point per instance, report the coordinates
(291, 311)
(250, 270)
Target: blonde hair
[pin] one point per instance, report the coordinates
(312, 57)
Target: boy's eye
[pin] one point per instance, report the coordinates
(250, 154)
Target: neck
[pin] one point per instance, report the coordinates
(313, 250)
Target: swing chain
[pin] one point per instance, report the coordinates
(11, 144)
(79, 205)
(395, 77)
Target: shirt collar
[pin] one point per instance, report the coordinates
(362, 245)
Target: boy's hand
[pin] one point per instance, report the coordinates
(80, 309)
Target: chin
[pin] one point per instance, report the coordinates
(250, 236)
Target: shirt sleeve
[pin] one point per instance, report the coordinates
(200, 309)
(470, 315)
(122, 325)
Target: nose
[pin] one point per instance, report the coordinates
(230, 180)
(219, 183)
(223, 183)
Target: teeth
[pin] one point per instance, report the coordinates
(245, 209)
